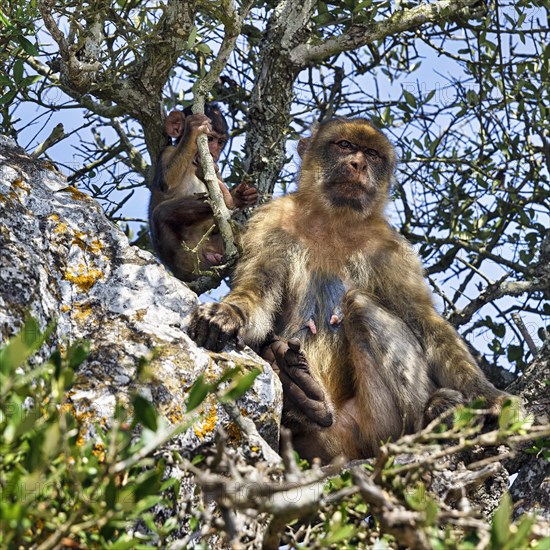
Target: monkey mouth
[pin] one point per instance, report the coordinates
(355, 195)
(211, 258)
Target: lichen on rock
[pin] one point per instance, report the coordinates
(63, 260)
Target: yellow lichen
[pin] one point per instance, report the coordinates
(61, 228)
(140, 314)
(233, 431)
(175, 414)
(76, 193)
(54, 217)
(82, 311)
(99, 451)
(20, 184)
(208, 424)
(96, 246)
(85, 278)
(65, 308)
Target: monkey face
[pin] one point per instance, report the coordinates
(354, 162)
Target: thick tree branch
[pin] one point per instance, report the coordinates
(493, 292)
(170, 41)
(398, 22)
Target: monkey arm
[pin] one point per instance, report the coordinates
(181, 212)
(176, 161)
(226, 194)
(249, 310)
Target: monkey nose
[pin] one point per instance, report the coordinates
(359, 166)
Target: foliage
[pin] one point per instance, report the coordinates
(421, 491)
(57, 488)
(60, 486)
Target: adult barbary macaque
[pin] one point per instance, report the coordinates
(362, 354)
(178, 211)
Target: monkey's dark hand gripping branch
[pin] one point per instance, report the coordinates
(301, 392)
(214, 325)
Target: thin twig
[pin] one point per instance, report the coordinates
(56, 135)
(516, 317)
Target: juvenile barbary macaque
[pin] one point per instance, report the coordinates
(362, 354)
(178, 211)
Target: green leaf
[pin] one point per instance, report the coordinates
(409, 98)
(192, 38)
(30, 80)
(500, 528)
(18, 71)
(228, 374)
(28, 46)
(22, 346)
(521, 536)
(241, 385)
(145, 412)
(514, 352)
(198, 393)
(77, 354)
(509, 414)
(203, 48)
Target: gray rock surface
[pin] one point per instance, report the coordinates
(61, 259)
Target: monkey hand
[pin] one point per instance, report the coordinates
(301, 392)
(196, 125)
(244, 195)
(215, 324)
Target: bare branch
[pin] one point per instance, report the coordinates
(233, 24)
(494, 291)
(516, 317)
(137, 161)
(398, 22)
(56, 135)
(248, 428)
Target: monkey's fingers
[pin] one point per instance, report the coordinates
(295, 399)
(203, 331)
(198, 327)
(213, 325)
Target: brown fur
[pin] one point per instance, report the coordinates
(178, 211)
(329, 246)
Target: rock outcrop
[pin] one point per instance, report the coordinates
(62, 260)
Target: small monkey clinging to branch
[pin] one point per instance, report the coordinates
(362, 355)
(178, 211)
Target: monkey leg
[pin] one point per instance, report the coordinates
(392, 384)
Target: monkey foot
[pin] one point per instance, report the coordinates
(301, 392)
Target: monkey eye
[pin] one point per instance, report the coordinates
(372, 153)
(344, 144)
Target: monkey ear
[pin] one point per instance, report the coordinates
(303, 146)
(175, 123)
